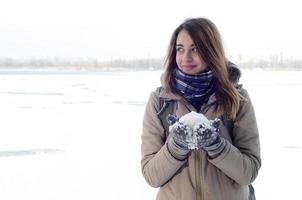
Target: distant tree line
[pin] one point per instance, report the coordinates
(83, 63)
(273, 62)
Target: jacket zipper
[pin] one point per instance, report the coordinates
(198, 165)
(199, 195)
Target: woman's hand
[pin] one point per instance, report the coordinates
(177, 141)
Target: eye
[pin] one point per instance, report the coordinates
(179, 49)
(194, 49)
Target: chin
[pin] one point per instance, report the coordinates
(191, 71)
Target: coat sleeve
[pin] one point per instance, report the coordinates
(158, 165)
(241, 160)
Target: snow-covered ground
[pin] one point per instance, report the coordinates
(77, 135)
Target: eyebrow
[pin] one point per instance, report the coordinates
(181, 45)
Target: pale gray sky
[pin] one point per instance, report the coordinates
(138, 28)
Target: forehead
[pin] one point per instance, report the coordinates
(184, 38)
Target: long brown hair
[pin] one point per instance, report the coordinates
(209, 45)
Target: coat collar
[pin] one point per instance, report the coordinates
(165, 94)
(168, 95)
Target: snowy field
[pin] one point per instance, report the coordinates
(77, 135)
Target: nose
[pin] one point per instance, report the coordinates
(187, 56)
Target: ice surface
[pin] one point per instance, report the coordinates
(85, 115)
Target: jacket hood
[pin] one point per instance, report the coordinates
(234, 72)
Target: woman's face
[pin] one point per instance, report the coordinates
(187, 57)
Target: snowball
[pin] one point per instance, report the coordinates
(194, 119)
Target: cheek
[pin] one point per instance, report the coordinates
(198, 59)
(178, 59)
(200, 62)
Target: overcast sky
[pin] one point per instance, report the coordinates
(140, 28)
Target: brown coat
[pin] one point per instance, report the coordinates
(225, 177)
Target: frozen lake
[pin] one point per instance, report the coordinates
(77, 135)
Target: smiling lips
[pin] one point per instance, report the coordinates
(189, 66)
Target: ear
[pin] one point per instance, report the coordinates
(215, 123)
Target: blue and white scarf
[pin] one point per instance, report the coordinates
(196, 89)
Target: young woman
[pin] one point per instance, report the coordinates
(226, 155)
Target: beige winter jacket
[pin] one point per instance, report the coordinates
(225, 177)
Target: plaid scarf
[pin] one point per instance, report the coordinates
(196, 89)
